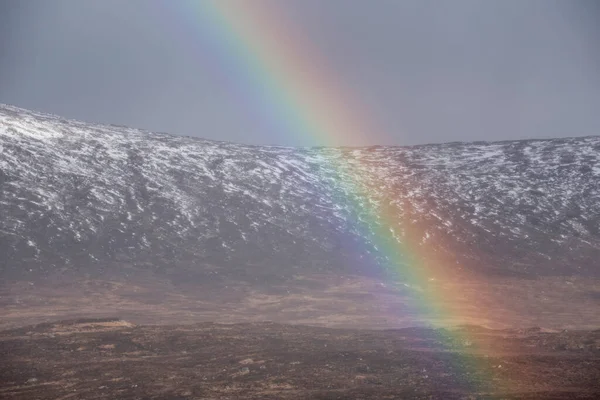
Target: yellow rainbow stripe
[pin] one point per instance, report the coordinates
(269, 63)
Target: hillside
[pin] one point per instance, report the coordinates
(77, 196)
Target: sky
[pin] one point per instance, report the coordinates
(425, 71)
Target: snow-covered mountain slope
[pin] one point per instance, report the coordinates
(76, 197)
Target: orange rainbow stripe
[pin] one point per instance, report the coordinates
(261, 55)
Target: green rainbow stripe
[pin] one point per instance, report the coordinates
(274, 71)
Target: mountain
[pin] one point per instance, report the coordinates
(79, 198)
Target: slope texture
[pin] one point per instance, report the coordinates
(87, 198)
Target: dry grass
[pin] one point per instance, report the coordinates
(352, 301)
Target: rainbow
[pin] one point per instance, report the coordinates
(262, 57)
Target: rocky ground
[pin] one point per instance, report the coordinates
(114, 359)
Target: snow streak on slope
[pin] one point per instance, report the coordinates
(82, 197)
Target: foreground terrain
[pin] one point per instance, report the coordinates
(111, 358)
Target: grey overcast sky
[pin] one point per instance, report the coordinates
(427, 71)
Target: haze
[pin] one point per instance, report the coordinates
(426, 71)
